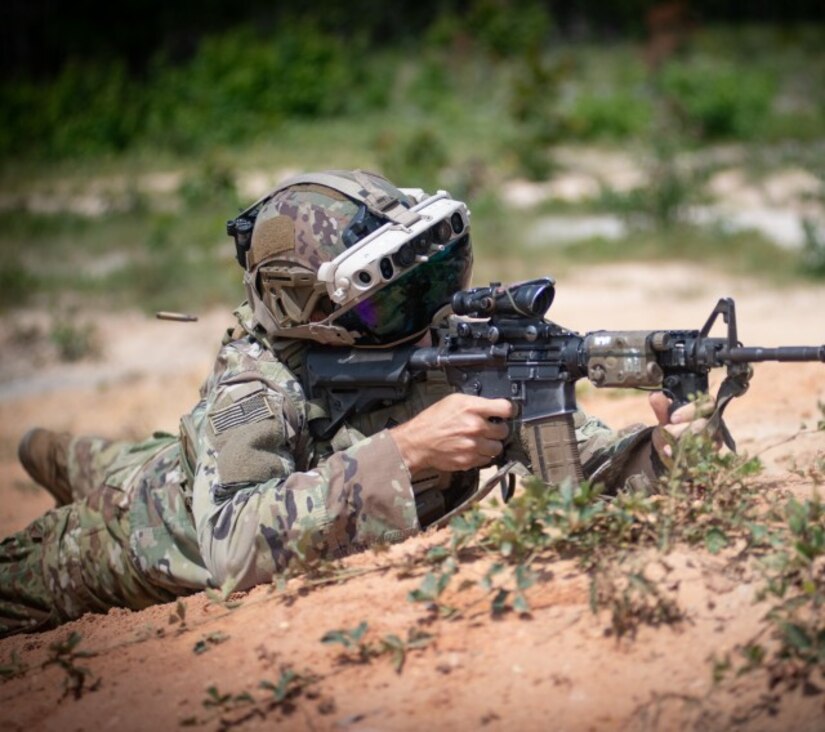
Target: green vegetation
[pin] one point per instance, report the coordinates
(477, 100)
(229, 710)
(706, 499)
(64, 654)
(358, 650)
(242, 86)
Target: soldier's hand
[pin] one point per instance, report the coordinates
(691, 417)
(455, 433)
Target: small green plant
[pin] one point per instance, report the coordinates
(632, 599)
(352, 640)
(215, 698)
(178, 616)
(290, 684)
(359, 650)
(234, 709)
(495, 582)
(707, 497)
(223, 596)
(796, 577)
(14, 668)
(792, 561)
(209, 641)
(434, 584)
(65, 654)
(814, 470)
(398, 648)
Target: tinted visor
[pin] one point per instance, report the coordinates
(406, 306)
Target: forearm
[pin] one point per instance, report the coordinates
(356, 497)
(615, 457)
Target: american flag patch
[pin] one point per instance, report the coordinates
(252, 409)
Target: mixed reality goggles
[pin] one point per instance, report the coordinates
(388, 284)
(404, 260)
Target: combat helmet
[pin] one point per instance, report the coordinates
(346, 258)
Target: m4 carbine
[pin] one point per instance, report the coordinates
(505, 348)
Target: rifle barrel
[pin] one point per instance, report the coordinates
(783, 353)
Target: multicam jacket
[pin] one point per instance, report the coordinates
(262, 490)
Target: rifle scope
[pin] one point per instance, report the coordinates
(531, 299)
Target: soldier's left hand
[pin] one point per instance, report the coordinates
(691, 417)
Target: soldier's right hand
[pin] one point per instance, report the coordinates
(455, 433)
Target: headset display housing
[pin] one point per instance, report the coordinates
(393, 249)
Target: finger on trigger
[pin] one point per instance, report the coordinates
(502, 408)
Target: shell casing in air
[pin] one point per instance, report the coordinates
(178, 317)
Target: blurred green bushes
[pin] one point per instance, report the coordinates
(241, 85)
(475, 99)
(716, 99)
(237, 88)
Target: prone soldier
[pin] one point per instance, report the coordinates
(248, 485)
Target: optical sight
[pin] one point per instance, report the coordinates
(532, 299)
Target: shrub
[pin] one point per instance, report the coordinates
(508, 28)
(415, 158)
(616, 115)
(812, 260)
(85, 110)
(238, 85)
(717, 99)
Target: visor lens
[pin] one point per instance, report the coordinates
(406, 307)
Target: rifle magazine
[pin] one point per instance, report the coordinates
(553, 450)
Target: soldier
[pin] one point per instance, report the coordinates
(247, 486)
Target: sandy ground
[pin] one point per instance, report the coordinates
(559, 669)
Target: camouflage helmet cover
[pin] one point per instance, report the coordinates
(306, 221)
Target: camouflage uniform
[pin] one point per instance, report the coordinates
(245, 488)
(243, 491)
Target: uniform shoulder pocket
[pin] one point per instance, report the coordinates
(243, 404)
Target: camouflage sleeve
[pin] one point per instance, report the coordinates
(616, 459)
(258, 501)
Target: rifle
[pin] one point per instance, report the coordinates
(506, 348)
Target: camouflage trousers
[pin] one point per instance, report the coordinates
(76, 559)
